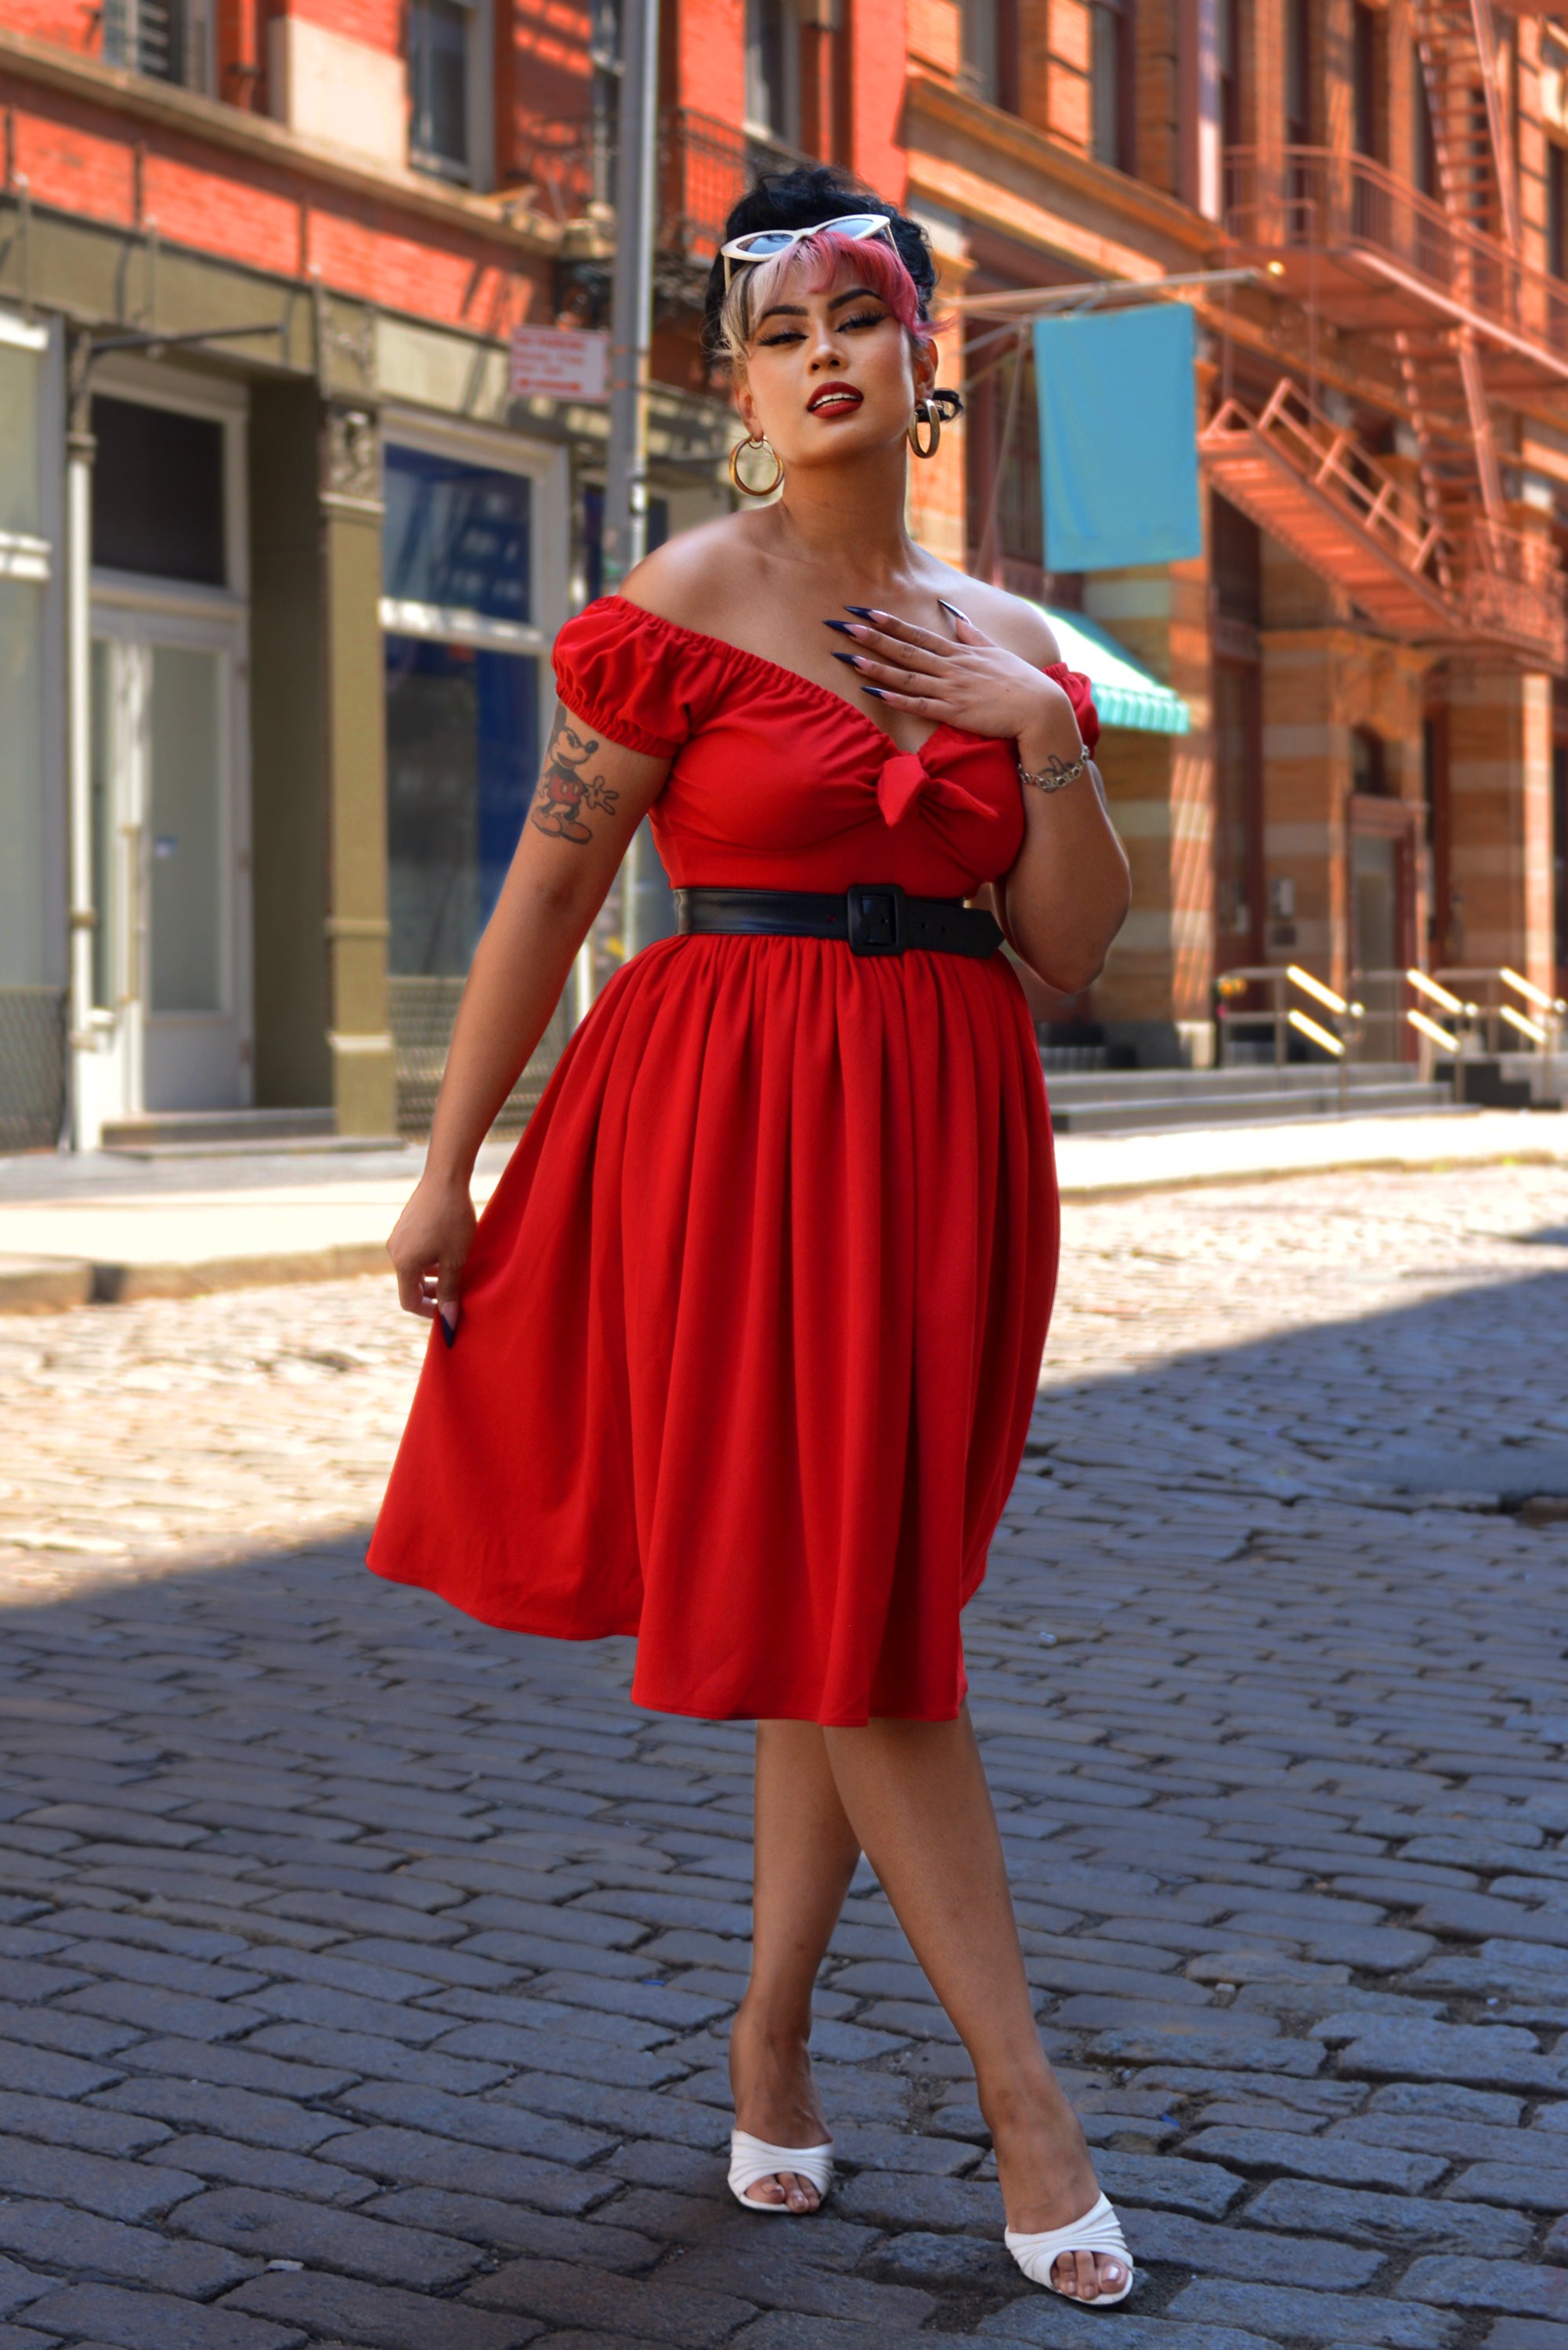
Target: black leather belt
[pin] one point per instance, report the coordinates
(873, 918)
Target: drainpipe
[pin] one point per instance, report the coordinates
(631, 332)
(86, 1108)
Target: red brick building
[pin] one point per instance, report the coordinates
(282, 555)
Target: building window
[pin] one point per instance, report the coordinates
(443, 85)
(1229, 44)
(1298, 74)
(157, 493)
(772, 70)
(989, 32)
(463, 726)
(1366, 77)
(1557, 209)
(1111, 83)
(1368, 763)
(166, 38)
(463, 685)
(593, 541)
(1425, 136)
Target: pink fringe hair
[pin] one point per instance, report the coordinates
(876, 266)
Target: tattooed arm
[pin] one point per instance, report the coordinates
(589, 799)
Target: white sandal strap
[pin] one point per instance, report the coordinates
(1099, 2231)
(751, 2159)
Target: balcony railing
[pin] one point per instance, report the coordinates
(705, 166)
(1312, 198)
(1512, 591)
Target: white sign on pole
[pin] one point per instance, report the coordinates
(559, 363)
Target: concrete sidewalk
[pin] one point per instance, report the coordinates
(101, 1229)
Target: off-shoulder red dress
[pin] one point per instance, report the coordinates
(751, 1327)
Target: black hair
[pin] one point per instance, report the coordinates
(804, 197)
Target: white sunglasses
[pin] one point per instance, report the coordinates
(763, 243)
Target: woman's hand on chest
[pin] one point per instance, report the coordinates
(966, 680)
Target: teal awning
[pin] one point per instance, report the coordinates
(1125, 694)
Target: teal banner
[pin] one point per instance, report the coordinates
(1118, 437)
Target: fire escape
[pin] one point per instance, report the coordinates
(1426, 547)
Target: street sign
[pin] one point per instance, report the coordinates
(559, 363)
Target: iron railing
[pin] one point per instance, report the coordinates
(422, 1012)
(705, 166)
(1317, 198)
(32, 1067)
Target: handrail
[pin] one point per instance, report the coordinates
(1329, 455)
(1462, 1013)
(1509, 1012)
(1316, 197)
(1282, 1015)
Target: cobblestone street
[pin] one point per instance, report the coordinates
(364, 1974)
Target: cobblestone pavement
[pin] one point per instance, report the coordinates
(364, 1975)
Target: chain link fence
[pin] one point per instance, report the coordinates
(421, 1014)
(32, 1067)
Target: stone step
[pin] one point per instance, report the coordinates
(226, 1133)
(1142, 1114)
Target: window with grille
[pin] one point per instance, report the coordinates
(168, 39)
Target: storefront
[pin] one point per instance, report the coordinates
(474, 560)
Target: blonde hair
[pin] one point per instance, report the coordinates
(755, 286)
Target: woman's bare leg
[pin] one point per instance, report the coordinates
(806, 1856)
(915, 1795)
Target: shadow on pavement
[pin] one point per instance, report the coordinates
(364, 1974)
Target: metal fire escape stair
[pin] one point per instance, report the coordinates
(1306, 482)
(1427, 550)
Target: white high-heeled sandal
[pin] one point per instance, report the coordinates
(1099, 2231)
(751, 2159)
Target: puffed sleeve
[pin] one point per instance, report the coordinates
(1080, 694)
(634, 678)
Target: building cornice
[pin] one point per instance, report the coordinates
(259, 138)
(1108, 209)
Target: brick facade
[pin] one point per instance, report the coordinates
(269, 179)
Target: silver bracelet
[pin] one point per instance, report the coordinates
(1055, 777)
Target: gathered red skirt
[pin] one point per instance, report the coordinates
(750, 1334)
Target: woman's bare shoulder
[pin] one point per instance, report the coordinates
(1012, 621)
(693, 580)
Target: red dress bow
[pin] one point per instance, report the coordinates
(905, 778)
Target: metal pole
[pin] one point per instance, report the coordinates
(632, 309)
(86, 1108)
(631, 333)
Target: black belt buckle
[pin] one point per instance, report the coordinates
(875, 911)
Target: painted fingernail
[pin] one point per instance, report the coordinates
(844, 628)
(874, 692)
(449, 1320)
(953, 609)
(863, 611)
(853, 658)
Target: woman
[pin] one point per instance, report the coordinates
(751, 1327)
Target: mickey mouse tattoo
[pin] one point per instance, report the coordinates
(563, 793)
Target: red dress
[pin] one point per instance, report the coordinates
(753, 1323)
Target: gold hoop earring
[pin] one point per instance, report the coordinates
(755, 489)
(925, 414)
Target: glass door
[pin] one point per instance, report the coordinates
(168, 866)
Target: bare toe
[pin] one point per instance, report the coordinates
(1088, 2276)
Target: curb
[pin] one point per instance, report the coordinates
(54, 1286)
(1440, 1163)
